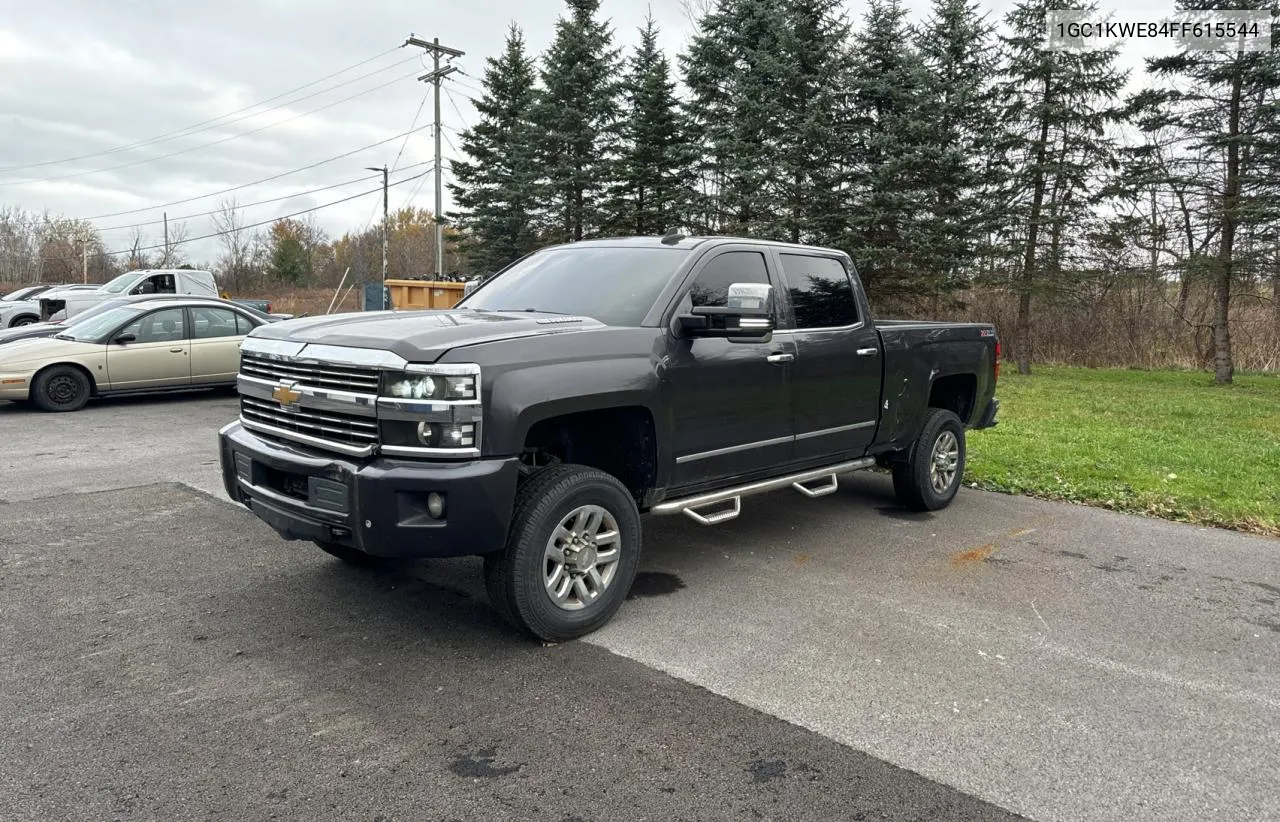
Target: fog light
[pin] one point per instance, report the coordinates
(435, 505)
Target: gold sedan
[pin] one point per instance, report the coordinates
(144, 347)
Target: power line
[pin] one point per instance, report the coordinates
(456, 110)
(400, 153)
(258, 182)
(209, 144)
(248, 205)
(196, 127)
(238, 229)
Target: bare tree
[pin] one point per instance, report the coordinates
(239, 263)
(172, 255)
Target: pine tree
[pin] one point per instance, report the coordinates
(654, 188)
(577, 116)
(768, 82)
(1225, 104)
(1059, 107)
(957, 51)
(888, 134)
(496, 189)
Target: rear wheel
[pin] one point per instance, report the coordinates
(61, 388)
(24, 320)
(571, 554)
(929, 478)
(348, 555)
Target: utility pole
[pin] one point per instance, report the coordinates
(84, 259)
(385, 220)
(165, 264)
(435, 77)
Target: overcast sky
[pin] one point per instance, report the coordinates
(84, 77)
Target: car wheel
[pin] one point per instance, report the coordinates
(24, 320)
(347, 554)
(929, 478)
(61, 388)
(571, 554)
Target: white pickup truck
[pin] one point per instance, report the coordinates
(63, 304)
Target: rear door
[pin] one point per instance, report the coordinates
(216, 334)
(836, 377)
(159, 356)
(730, 401)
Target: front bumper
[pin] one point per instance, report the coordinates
(378, 506)
(15, 386)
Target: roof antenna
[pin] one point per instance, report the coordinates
(672, 237)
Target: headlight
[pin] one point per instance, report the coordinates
(441, 387)
(431, 409)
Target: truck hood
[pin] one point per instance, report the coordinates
(422, 336)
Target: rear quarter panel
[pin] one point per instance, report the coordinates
(916, 355)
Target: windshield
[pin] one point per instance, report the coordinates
(21, 293)
(119, 284)
(92, 329)
(615, 285)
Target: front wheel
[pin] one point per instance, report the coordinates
(25, 320)
(61, 388)
(571, 554)
(930, 476)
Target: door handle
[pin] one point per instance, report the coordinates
(868, 352)
(176, 350)
(780, 358)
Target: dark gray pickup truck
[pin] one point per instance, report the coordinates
(588, 384)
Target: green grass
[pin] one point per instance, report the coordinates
(1163, 443)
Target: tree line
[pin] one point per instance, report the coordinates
(965, 167)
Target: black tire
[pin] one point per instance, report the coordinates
(914, 479)
(25, 319)
(515, 578)
(61, 388)
(348, 555)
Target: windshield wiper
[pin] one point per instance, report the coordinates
(531, 311)
(64, 337)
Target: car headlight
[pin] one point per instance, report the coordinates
(438, 387)
(431, 409)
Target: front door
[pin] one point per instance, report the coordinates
(730, 401)
(158, 356)
(836, 378)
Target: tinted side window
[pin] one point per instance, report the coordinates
(820, 291)
(158, 326)
(711, 288)
(243, 324)
(212, 322)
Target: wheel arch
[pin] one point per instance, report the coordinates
(93, 383)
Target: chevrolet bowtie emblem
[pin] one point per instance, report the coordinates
(285, 395)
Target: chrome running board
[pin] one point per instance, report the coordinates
(693, 507)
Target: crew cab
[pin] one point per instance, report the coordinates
(588, 384)
(183, 281)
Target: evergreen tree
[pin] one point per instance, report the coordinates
(768, 80)
(1225, 104)
(1059, 107)
(654, 186)
(888, 133)
(496, 189)
(726, 69)
(577, 117)
(957, 51)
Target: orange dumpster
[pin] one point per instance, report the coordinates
(407, 295)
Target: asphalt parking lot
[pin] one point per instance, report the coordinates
(167, 656)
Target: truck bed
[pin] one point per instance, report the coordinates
(920, 353)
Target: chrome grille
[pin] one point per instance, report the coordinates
(337, 377)
(332, 426)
